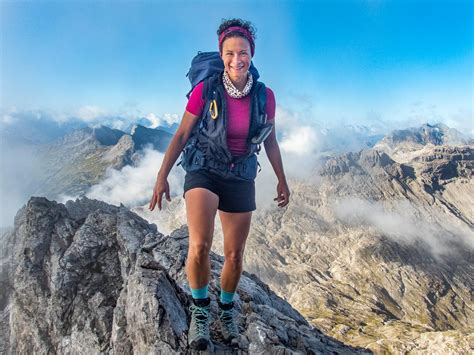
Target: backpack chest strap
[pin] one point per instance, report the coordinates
(206, 162)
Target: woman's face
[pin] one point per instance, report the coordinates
(236, 56)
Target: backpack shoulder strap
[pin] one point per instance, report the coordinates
(204, 65)
(261, 92)
(210, 84)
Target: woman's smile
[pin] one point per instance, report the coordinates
(237, 69)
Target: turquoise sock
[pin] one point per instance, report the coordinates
(227, 297)
(199, 292)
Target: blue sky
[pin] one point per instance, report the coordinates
(331, 61)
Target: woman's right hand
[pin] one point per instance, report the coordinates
(161, 187)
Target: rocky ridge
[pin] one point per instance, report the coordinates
(87, 277)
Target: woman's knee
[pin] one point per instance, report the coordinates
(199, 250)
(234, 258)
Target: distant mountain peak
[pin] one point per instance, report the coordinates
(437, 134)
(405, 144)
(157, 138)
(364, 159)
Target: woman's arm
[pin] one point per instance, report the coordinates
(172, 153)
(273, 154)
(177, 143)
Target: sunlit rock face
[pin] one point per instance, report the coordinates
(87, 277)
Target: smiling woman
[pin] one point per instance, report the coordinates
(224, 114)
(237, 51)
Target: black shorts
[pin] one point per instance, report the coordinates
(234, 195)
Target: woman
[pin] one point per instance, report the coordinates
(206, 191)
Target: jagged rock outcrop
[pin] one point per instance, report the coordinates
(446, 173)
(87, 278)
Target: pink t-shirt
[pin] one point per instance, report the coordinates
(238, 116)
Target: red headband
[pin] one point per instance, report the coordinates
(242, 30)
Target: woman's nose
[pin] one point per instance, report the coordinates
(235, 58)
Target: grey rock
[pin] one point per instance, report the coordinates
(90, 278)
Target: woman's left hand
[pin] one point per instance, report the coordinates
(283, 194)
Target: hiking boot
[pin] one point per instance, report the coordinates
(229, 328)
(198, 336)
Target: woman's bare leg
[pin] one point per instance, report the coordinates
(235, 227)
(201, 208)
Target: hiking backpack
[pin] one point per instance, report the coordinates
(207, 146)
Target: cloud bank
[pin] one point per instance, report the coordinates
(403, 223)
(133, 186)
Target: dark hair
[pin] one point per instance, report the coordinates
(226, 23)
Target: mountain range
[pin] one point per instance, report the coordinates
(374, 250)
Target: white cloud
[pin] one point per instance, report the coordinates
(168, 119)
(7, 119)
(20, 170)
(90, 113)
(8, 115)
(118, 124)
(299, 140)
(462, 120)
(133, 186)
(404, 223)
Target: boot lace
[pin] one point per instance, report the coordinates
(200, 316)
(228, 323)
